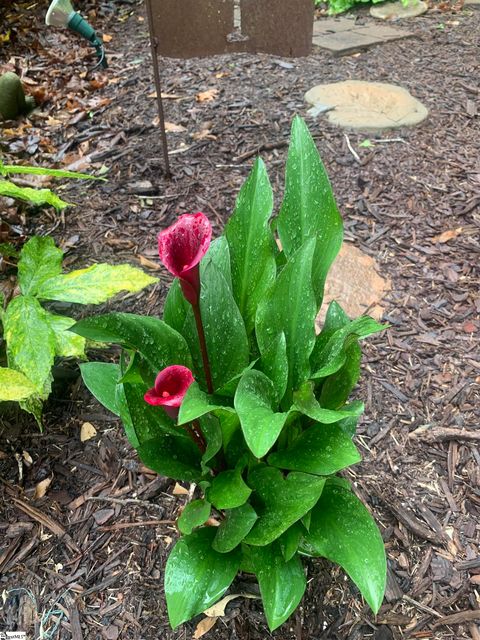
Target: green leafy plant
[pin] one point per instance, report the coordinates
(340, 6)
(36, 196)
(235, 391)
(33, 335)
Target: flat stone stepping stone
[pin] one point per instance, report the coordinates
(368, 106)
(332, 25)
(342, 36)
(396, 10)
(472, 4)
(354, 282)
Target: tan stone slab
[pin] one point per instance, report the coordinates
(344, 42)
(397, 11)
(382, 33)
(472, 4)
(355, 283)
(368, 106)
(333, 25)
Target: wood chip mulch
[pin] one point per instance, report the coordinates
(85, 560)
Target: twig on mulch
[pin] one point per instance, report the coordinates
(123, 501)
(406, 517)
(266, 146)
(458, 618)
(47, 522)
(421, 606)
(129, 525)
(440, 434)
(351, 149)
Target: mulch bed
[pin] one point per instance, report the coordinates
(86, 560)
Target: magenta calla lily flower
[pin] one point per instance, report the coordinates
(181, 248)
(171, 385)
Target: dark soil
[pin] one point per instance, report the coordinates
(86, 560)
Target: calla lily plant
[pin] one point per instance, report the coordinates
(235, 391)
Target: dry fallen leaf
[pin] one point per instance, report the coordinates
(204, 134)
(165, 96)
(178, 490)
(174, 128)
(107, 38)
(27, 458)
(149, 264)
(41, 488)
(98, 84)
(219, 607)
(87, 432)
(447, 235)
(204, 627)
(206, 96)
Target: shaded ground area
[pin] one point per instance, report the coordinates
(86, 560)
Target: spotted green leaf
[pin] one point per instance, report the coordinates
(342, 530)
(95, 284)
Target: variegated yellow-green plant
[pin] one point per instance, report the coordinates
(33, 335)
(31, 194)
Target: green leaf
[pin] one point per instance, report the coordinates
(125, 417)
(251, 243)
(176, 307)
(6, 169)
(337, 387)
(349, 425)
(367, 144)
(101, 378)
(291, 308)
(254, 400)
(35, 196)
(225, 335)
(174, 456)
(219, 254)
(280, 501)
(39, 260)
(197, 403)
(322, 449)
(94, 285)
(233, 529)
(335, 319)
(212, 431)
(158, 343)
(136, 371)
(148, 422)
(7, 250)
(194, 515)
(228, 490)
(67, 344)
(196, 576)
(306, 403)
(290, 540)
(14, 385)
(309, 209)
(30, 341)
(34, 404)
(274, 364)
(328, 358)
(343, 531)
(282, 584)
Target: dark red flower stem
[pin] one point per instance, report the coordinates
(203, 346)
(198, 430)
(195, 432)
